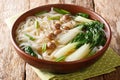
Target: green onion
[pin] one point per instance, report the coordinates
(54, 18)
(62, 58)
(37, 25)
(64, 11)
(44, 47)
(30, 37)
(61, 11)
(42, 12)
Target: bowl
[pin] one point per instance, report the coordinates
(60, 67)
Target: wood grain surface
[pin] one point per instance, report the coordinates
(12, 67)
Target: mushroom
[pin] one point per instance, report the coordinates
(51, 36)
(57, 26)
(51, 45)
(66, 18)
(56, 32)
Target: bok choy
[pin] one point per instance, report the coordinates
(30, 51)
(65, 38)
(92, 35)
(79, 53)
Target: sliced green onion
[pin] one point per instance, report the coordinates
(37, 25)
(30, 37)
(61, 11)
(64, 11)
(54, 18)
(44, 47)
(62, 58)
(42, 12)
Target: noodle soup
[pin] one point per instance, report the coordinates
(57, 35)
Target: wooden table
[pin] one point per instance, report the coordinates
(12, 67)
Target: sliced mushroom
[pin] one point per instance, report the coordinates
(51, 36)
(51, 45)
(66, 18)
(57, 26)
(56, 32)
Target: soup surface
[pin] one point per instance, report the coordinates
(57, 35)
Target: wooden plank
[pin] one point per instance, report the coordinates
(85, 3)
(97, 78)
(12, 67)
(110, 11)
(30, 74)
(36, 3)
(113, 75)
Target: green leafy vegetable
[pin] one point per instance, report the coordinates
(93, 34)
(29, 50)
(44, 47)
(30, 37)
(42, 12)
(61, 11)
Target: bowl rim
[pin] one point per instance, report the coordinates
(69, 62)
